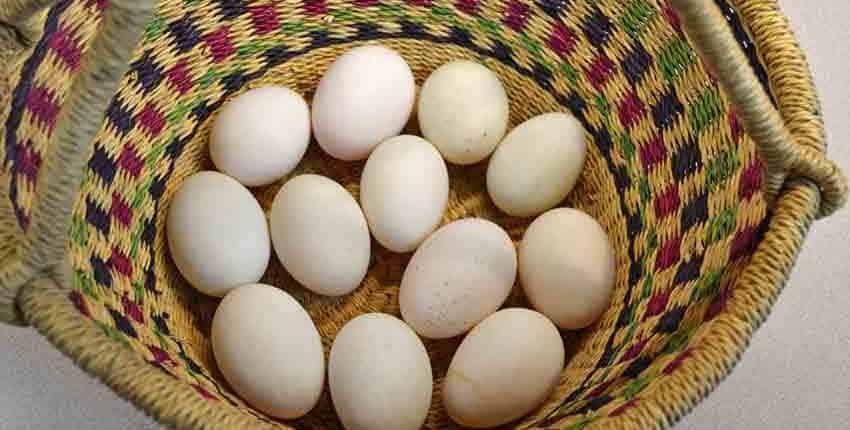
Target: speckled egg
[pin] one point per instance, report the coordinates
(461, 274)
(463, 110)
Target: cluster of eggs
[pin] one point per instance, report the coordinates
(459, 276)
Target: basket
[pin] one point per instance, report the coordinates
(706, 167)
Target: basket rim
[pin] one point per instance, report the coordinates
(45, 303)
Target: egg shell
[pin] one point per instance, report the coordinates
(217, 233)
(461, 274)
(268, 349)
(320, 235)
(504, 368)
(261, 135)
(365, 97)
(379, 375)
(567, 267)
(463, 110)
(537, 164)
(404, 190)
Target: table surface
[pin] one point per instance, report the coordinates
(795, 375)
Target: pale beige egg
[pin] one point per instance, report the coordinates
(504, 368)
(379, 375)
(537, 164)
(567, 267)
(268, 349)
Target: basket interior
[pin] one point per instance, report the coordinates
(669, 175)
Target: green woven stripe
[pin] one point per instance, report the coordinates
(706, 109)
(675, 58)
(637, 16)
(721, 168)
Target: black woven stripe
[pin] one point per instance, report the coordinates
(746, 45)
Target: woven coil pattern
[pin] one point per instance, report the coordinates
(671, 176)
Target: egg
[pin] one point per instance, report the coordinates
(320, 235)
(217, 233)
(461, 274)
(504, 368)
(566, 267)
(268, 349)
(365, 97)
(261, 135)
(463, 111)
(379, 375)
(404, 190)
(537, 164)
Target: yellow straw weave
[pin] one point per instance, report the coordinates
(706, 167)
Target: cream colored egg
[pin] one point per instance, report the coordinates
(320, 235)
(567, 266)
(217, 233)
(365, 97)
(261, 135)
(379, 375)
(404, 190)
(463, 110)
(461, 274)
(504, 368)
(268, 349)
(537, 164)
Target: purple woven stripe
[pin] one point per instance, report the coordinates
(130, 161)
(121, 210)
(265, 18)
(516, 15)
(65, 43)
(42, 104)
(28, 162)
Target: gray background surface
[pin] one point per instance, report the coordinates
(796, 374)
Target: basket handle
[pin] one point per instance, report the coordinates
(101, 71)
(783, 157)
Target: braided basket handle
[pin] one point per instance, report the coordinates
(81, 117)
(783, 157)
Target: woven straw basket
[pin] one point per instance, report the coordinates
(706, 167)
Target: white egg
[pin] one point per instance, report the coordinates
(404, 191)
(320, 235)
(463, 111)
(567, 266)
(537, 164)
(365, 97)
(217, 233)
(504, 368)
(268, 349)
(461, 274)
(379, 375)
(261, 135)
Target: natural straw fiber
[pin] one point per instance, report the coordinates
(706, 167)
